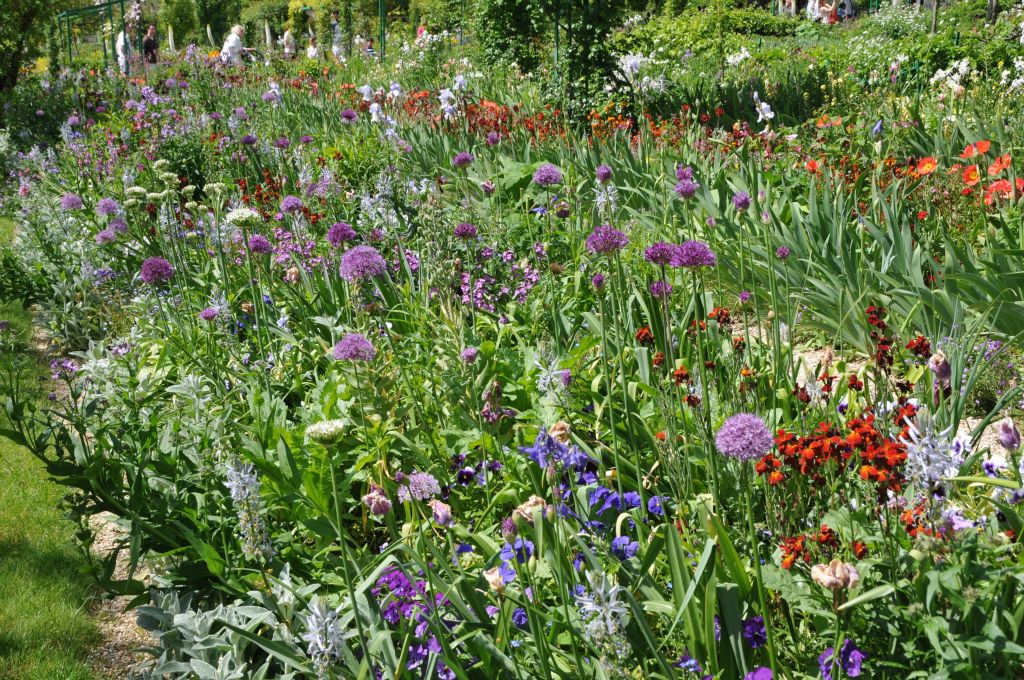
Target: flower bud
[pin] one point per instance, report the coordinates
(1008, 434)
(835, 575)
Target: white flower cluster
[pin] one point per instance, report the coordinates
(738, 58)
(954, 77)
(1013, 79)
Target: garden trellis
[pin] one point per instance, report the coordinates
(106, 13)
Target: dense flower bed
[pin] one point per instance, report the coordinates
(391, 379)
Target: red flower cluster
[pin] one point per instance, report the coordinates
(883, 343)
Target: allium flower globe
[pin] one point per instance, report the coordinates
(661, 253)
(354, 347)
(107, 206)
(69, 202)
(291, 204)
(339, 233)
(547, 175)
(362, 262)
(606, 240)
(465, 231)
(604, 173)
(463, 159)
(741, 201)
(106, 237)
(694, 254)
(744, 436)
(260, 245)
(156, 270)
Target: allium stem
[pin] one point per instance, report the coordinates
(761, 597)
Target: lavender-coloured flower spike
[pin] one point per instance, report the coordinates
(354, 347)
(244, 486)
(744, 436)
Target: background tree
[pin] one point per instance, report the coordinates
(23, 28)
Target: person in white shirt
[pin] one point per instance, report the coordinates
(813, 10)
(312, 51)
(288, 40)
(123, 48)
(233, 46)
(337, 40)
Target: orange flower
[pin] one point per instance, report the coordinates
(977, 149)
(812, 166)
(999, 189)
(971, 175)
(926, 166)
(999, 164)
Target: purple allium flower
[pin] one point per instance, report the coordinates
(209, 314)
(362, 262)
(70, 202)
(547, 175)
(282, 143)
(493, 137)
(260, 245)
(741, 201)
(606, 240)
(156, 270)
(850, 660)
(377, 501)
(744, 296)
(782, 252)
(754, 632)
(291, 204)
(1008, 434)
(684, 172)
(604, 173)
(710, 221)
(624, 547)
(354, 347)
(339, 233)
(661, 289)
(463, 159)
(107, 206)
(744, 436)
(248, 140)
(487, 186)
(74, 120)
(306, 139)
(661, 253)
(694, 254)
(469, 355)
(597, 281)
(105, 237)
(442, 513)
(349, 116)
(687, 188)
(118, 224)
(418, 485)
(465, 231)
(240, 113)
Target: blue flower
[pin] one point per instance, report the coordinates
(624, 547)
(521, 551)
(754, 631)
(654, 506)
(850, 660)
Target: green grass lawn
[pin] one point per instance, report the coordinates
(45, 628)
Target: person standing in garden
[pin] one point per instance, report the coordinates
(233, 46)
(288, 41)
(312, 51)
(149, 45)
(123, 48)
(337, 39)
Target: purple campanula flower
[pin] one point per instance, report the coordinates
(851, 660)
